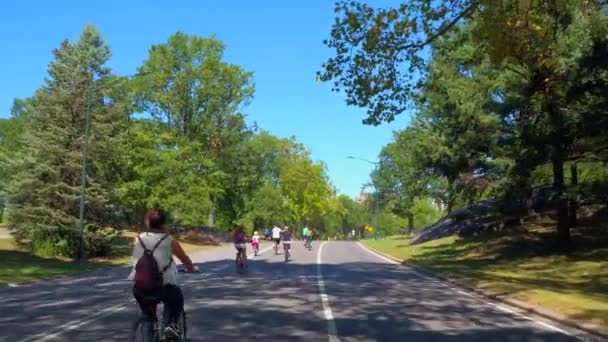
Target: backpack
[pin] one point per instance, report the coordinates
(148, 276)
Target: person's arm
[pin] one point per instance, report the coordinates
(135, 256)
(177, 250)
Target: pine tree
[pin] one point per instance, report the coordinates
(45, 191)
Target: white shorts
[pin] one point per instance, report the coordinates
(240, 245)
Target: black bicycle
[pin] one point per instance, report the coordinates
(151, 329)
(241, 261)
(287, 248)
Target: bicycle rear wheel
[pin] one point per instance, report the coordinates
(143, 331)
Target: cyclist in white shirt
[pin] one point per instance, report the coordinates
(164, 248)
(276, 237)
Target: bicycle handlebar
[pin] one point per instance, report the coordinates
(184, 270)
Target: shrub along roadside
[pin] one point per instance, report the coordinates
(63, 242)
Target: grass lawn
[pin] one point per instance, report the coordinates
(518, 267)
(17, 266)
(20, 267)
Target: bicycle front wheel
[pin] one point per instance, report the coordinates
(143, 331)
(182, 325)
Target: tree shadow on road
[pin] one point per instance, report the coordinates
(277, 301)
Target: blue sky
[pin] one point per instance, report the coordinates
(280, 41)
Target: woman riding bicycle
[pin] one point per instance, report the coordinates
(162, 246)
(240, 243)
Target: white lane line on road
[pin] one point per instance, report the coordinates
(549, 326)
(546, 325)
(498, 306)
(75, 324)
(332, 332)
(390, 261)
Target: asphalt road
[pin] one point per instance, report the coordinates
(342, 292)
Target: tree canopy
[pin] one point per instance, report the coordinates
(172, 136)
(498, 89)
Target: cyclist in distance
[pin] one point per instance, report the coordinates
(266, 233)
(308, 236)
(286, 238)
(255, 241)
(304, 233)
(162, 247)
(240, 243)
(276, 237)
(311, 233)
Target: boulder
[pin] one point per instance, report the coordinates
(481, 217)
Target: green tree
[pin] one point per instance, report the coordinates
(405, 172)
(381, 63)
(549, 41)
(168, 173)
(187, 87)
(45, 190)
(12, 130)
(267, 206)
(306, 187)
(425, 213)
(346, 215)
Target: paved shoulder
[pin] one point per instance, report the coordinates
(375, 300)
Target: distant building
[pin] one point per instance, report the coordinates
(362, 198)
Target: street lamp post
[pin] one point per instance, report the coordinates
(375, 188)
(80, 254)
(83, 181)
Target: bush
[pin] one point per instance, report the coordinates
(63, 242)
(53, 242)
(100, 242)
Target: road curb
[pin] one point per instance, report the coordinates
(584, 327)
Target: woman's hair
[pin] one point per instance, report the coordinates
(155, 219)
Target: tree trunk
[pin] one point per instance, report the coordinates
(563, 227)
(410, 224)
(557, 141)
(450, 205)
(450, 199)
(574, 194)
